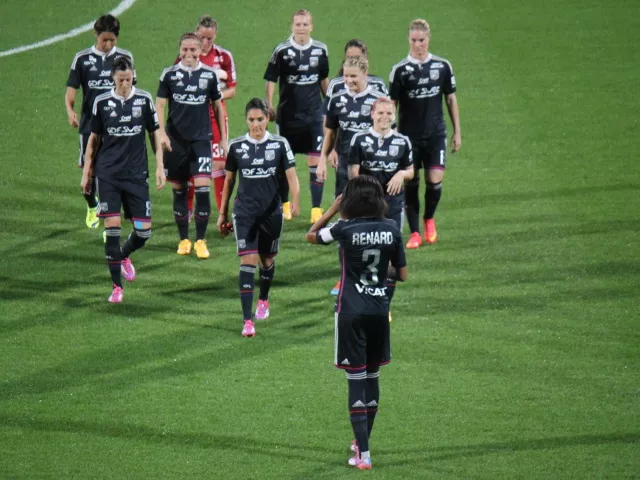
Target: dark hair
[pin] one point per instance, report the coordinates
(121, 64)
(363, 197)
(107, 23)
(258, 104)
(354, 42)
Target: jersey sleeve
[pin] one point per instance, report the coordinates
(273, 67)
(288, 158)
(213, 89)
(330, 233)
(449, 80)
(327, 96)
(230, 69)
(407, 158)
(164, 90)
(332, 121)
(97, 126)
(231, 165)
(75, 74)
(397, 257)
(395, 84)
(355, 152)
(324, 65)
(151, 116)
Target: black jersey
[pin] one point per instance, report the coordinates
(337, 84)
(367, 245)
(189, 91)
(350, 113)
(381, 157)
(260, 164)
(299, 69)
(121, 123)
(418, 87)
(91, 70)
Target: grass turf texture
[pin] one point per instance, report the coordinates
(515, 339)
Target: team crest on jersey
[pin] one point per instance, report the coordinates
(365, 110)
(434, 74)
(136, 112)
(269, 155)
(203, 83)
(394, 150)
(313, 61)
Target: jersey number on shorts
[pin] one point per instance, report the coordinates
(320, 138)
(204, 164)
(371, 258)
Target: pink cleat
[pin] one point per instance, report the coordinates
(248, 329)
(262, 310)
(354, 447)
(363, 464)
(128, 270)
(116, 295)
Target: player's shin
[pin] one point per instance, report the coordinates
(412, 204)
(315, 186)
(202, 211)
(180, 212)
(113, 254)
(431, 199)
(266, 277)
(358, 408)
(136, 240)
(373, 395)
(245, 283)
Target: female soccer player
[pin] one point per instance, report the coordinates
(120, 118)
(91, 70)
(189, 87)
(258, 159)
(370, 250)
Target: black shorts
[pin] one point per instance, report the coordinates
(395, 211)
(259, 235)
(307, 141)
(361, 341)
(430, 153)
(84, 141)
(187, 159)
(130, 195)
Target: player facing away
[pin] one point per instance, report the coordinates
(385, 155)
(301, 66)
(222, 61)
(370, 251)
(348, 112)
(189, 87)
(91, 71)
(117, 156)
(417, 85)
(258, 159)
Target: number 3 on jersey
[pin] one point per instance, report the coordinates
(370, 258)
(204, 165)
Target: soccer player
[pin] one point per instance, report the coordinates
(418, 84)
(348, 112)
(386, 156)
(301, 66)
(258, 159)
(91, 70)
(371, 250)
(222, 61)
(190, 86)
(117, 156)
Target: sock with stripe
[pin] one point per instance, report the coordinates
(113, 254)
(358, 407)
(202, 211)
(315, 186)
(246, 283)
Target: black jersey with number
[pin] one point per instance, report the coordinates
(91, 70)
(299, 69)
(350, 113)
(260, 165)
(367, 245)
(121, 123)
(419, 87)
(189, 91)
(381, 157)
(337, 84)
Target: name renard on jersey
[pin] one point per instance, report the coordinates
(372, 238)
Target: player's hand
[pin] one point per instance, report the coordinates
(161, 178)
(165, 143)
(295, 208)
(456, 142)
(396, 184)
(321, 171)
(222, 225)
(223, 148)
(85, 183)
(272, 114)
(73, 119)
(333, 159)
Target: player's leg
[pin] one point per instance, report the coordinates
(434, 176)
(218, 162)
(138, 204)
(315, 185)
(246, 232)
(191, 194)
(268, 244)
(111, 202)
(283, 183)
(412, 197)
(91, 219)
(178, 174)
(201, 173)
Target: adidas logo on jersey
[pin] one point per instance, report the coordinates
(113, 114)
(245, 156)
(344, 110)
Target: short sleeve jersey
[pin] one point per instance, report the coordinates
(350, 113)
(91, 70)
(299, 69)
(337, 84)
(381, 157)
(121, 123)
(259, 165)
(189, 92)
(419, 87)
(367, 245)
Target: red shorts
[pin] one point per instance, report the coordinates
(215, 139)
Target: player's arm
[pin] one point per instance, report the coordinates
(324, 84)
(271, 75)
(317, 228)
(288, 163)
(229, 184)
(354, 158)
(398, 260)
(229, 71)
(89, 158)
(270, 89)
(69, 103)
(397, 273)
(452, 107)
(404, 174)
(327, 145)
(165, 143)
(156, 144)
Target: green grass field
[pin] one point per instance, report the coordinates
(516, 339)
